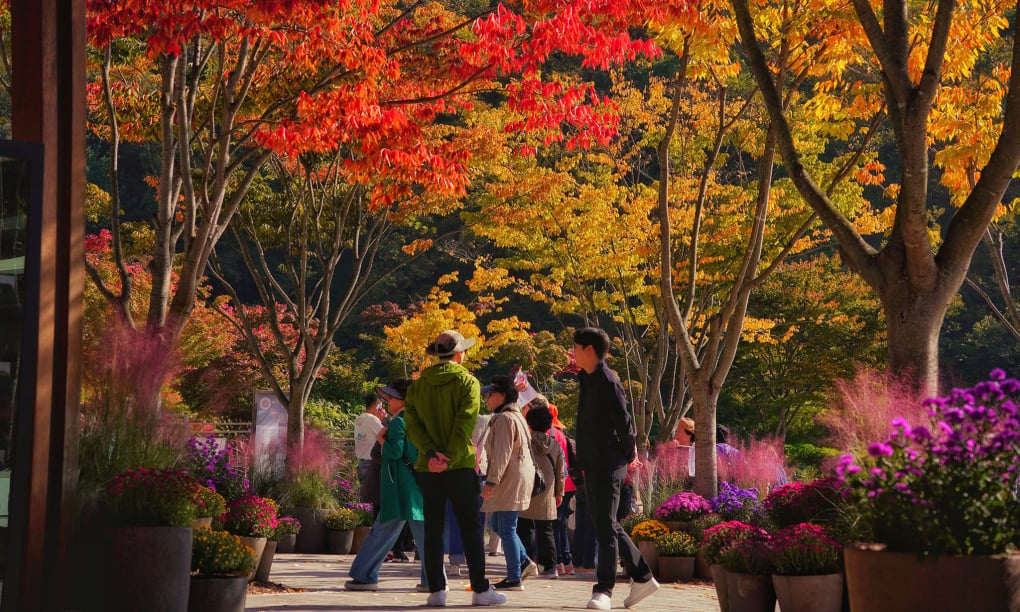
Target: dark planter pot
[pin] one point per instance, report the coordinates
(339, 542)
(821, 593)
(719, 576)
(286, 543)
(672, 569)
(312, 537)
(266, 563)
(701, 567)
(218, 594)
(882, 581)
(678, 525)
(147, 568)
(750, 592)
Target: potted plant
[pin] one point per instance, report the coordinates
(808, 573)
(680, 508)
(308, 496)
(817, 502)
(340, 526)
(748, 564)
(365, 516)
(938, 501)
(211, 463)
(252, 518)
(149, 510)
(287, 528)
(221, 564)
(631, 521)
(736, 504)
(716, 539)
(676, 551)
(644, 535)
(210, 505)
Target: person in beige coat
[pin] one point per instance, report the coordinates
(509, 477)
(538, 520)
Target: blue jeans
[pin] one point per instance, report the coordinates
(378, 542)
(513, 550)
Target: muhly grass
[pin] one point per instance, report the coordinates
(863, 407)
(758, 463)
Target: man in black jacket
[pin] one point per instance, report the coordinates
(605, 446)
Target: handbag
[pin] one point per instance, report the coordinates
(539, 485)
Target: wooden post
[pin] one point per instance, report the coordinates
(48, 101)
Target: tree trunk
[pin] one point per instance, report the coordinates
(706, 476)
(914, 322)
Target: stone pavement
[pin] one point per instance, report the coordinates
(322, 578)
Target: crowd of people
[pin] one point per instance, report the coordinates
(435, 465)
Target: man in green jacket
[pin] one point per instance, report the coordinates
(440, 411)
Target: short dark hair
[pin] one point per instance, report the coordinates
(594, 337)
(371, 399)
(722, 434)
(501, 383)
(539, 418)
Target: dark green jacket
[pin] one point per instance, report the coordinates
(401, 497)
(440, 411)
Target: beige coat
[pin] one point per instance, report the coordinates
(549, 457)
(509, 469)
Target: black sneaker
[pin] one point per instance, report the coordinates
(508, 585)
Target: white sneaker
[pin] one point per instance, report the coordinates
(640, 590)
(488, 598)
(437, 599)
(599, 601)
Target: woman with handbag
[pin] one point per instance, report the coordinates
(539, 519)
(509, 477)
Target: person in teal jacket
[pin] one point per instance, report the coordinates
(401, 500)
(442, 407)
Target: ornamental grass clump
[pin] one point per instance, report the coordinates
(722, 535)
(806, 550)
(947, 486)
(220, 553)
(147, 497)
(648, 531)
(676, 544)
(343, 519)
(682, 506)
(736, 504)
(251, 516)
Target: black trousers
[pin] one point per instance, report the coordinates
(530, 530)
(603, 492)
(461, 488)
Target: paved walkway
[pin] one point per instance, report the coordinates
(322, 578)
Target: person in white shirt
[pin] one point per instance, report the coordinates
(366, 428)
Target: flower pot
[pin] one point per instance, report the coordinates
(677, 525)
(822, 593)
(719, 575)
(360, 533)
(266, 563)
(702, 569)
(339, 542)
(879, 581)
(650, 554)
(672, 569)
(205, 521)
(147, 568)
(312, 537)
(217, 594)
(750, 592)
(285, 543)
(257, 546)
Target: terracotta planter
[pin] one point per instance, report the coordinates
(339, 542)
(258, 545)
(882, 581)
(217, 594)
(750, 592)
(205, 521)
(147, 568)
(677, 525)
(360, 534)
(719, 576)
(285, 543)
(672, 569)
(266, 563)
(702, 569)
(823, 593)
(312, 537)
(650, 554)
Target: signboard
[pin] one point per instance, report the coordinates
(269, 438)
